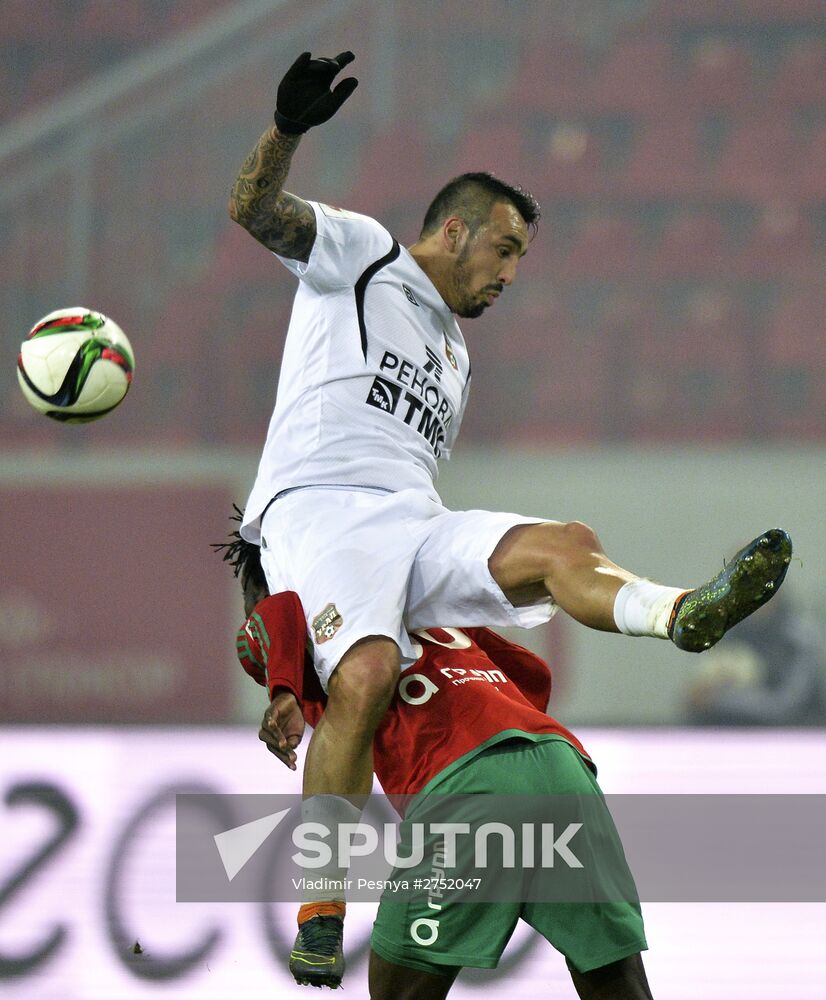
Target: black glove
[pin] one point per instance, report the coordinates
(304, 95)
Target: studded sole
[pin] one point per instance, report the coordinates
(752, 577)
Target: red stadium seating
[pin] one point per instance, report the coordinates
(801, 77)
(781, 240)
(666, 160)
(718, 75)
(693, 242)
(495, 146)
(635, 76)
(793, 356)
(554, 77)
(607, 245)
(674, 144)
(692, 380)
(400, 166)
(571, 160)
(759, 159)
(811, 174)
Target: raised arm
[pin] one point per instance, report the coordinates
(282, 222)
(259, 203)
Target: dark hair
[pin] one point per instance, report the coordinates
(243, 556)
(472, 196)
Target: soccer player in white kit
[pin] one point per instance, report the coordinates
(373, 384)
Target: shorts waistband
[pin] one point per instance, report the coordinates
(331, 486)
(380, 490)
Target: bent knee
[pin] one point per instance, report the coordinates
(533, 552)
(576, 537)
(366, 676)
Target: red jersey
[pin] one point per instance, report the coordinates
(467, 688)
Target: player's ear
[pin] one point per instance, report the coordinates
(454, 234)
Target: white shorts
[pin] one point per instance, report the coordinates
(369, 563)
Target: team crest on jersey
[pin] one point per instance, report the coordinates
(451, 357)
(326, 624)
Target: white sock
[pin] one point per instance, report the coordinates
(330, 811)
(644, 608)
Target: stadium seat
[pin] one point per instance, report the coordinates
(780, 241)
(554, 77)
(634, 77)
(692, 242)
(495, 146)
(801, 78)
(570, 159)
(607, 245)
(666, 160)
(557, 373)
(811, 175)
(793, 370)
(718, 75)
(692, 381)
(397, 165)
(759, 159)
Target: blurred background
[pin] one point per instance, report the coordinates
(658, 370)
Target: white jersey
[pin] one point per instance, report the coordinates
(375, 371)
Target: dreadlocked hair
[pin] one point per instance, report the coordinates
(243, 556)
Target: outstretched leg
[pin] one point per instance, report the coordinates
(568, 562)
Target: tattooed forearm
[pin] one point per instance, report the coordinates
(275, 217)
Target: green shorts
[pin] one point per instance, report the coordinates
(417, 933)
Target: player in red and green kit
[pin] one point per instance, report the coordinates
(467, 717)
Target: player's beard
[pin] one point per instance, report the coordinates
(468, 307)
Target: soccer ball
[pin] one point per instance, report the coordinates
(75, 365)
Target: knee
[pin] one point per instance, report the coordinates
(531, 553)
(567, 543)
(364, 681)
(578, 537)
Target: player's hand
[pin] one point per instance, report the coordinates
(304, 95)
(283, 727)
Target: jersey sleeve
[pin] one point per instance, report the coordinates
(249, 654)
(346, 244)
(275, 635)
(272, 649)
